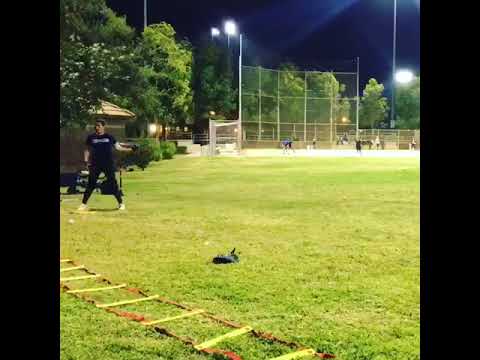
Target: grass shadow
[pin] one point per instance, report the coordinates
(104, 210)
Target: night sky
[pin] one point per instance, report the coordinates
(314, 34)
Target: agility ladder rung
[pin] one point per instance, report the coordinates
(96, 289)
(200, 347)
(191, 313)
(296, 355)
(80, 277)
(128, 301)
(73, 268)
(216, 340)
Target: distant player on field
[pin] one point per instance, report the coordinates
(287, 145)
(413, 144)
(358, 145)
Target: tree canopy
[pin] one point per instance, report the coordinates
(102, 58)
(407, 105)
(373, 106)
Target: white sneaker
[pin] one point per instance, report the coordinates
(83, 207)
(121, 207)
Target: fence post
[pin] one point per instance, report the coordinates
(331, 112)
(305, 113)
(259, 136)
(212, 138)
(278, 104)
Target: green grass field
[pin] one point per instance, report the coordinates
(329, 252)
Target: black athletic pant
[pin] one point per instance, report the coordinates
(94, 173)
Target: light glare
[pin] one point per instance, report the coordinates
(404, 76)
(152, 128)
(230, 28)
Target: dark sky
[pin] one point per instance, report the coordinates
(317, 34)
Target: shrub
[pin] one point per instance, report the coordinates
(154, 146)
(181, 150)
(168, 149)
(149, 150)
(141, 157)
(157, 151)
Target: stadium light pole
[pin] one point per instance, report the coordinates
(230, 28)
(144, 14)
(239, 131)
(358, 97)
(392, 119)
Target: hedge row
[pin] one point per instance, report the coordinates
(149, 150)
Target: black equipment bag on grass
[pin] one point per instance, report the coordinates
(226, 259)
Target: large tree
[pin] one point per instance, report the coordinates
(373, 106)
(213, 84)
(167, 68)
(89, 73)
(81, 18)
(93, 22)
(324, 95)
(96, 58)
(100, 58)
(343, 110)
(407, 105)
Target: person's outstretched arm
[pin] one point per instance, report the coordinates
(124, 147)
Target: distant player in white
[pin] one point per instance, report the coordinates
(413, 144)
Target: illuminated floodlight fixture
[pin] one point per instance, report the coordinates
(215, 32)
(230, 28)
(404, 76)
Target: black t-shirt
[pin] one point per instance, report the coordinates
(101, 148)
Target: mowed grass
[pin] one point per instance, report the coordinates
(329, 252)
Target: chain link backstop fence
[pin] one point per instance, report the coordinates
(301, 105)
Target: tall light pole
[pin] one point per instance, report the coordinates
(239, 131)
(358, 96)
(230, 29)
(392, 119)
(145, 26)
(144, 14)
